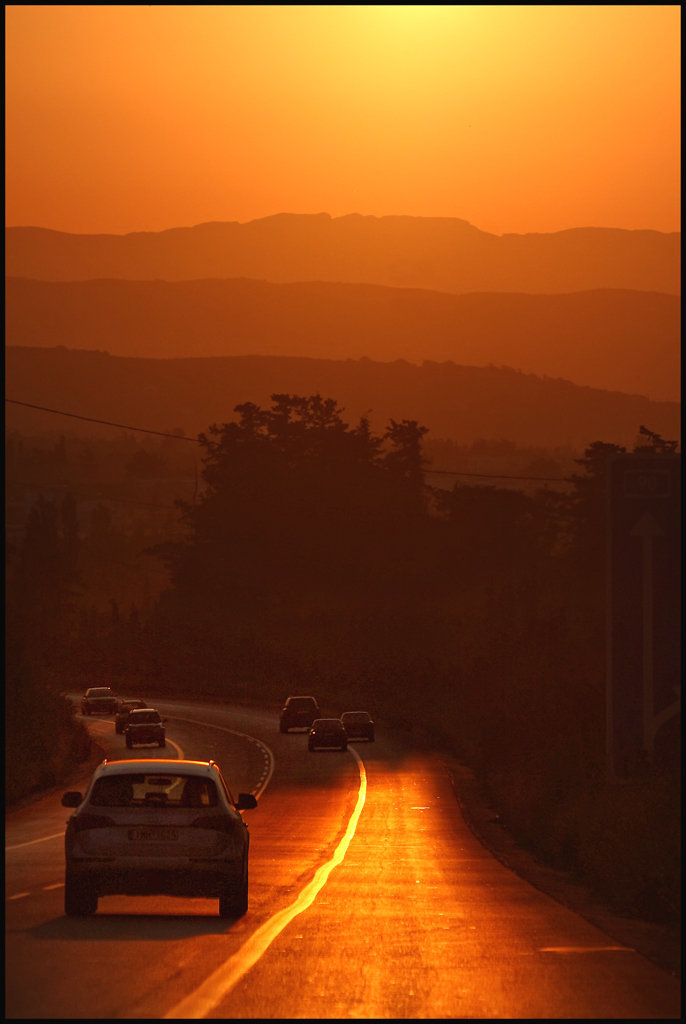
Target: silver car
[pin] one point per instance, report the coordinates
(157, 827)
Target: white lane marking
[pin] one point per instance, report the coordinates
(215, 988)
(32, 842)
(262, 785)
(268, 755)
(586, 949)
(19, 895)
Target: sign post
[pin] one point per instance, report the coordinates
(643, 633)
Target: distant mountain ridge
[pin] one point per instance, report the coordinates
(460, 403)
(627, 341)
(443, 254)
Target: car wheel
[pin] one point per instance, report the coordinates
(80, 900)
(344, 746)
(129, 742)
(283, 728)
(163, 743)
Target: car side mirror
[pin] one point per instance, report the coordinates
(246, 802)
(72, 799)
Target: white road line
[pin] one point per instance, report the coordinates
(215, 988)
(262, 785)
(32, 842)
(268, 755)
(586, 949)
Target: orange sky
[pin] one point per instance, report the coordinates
(514, 117)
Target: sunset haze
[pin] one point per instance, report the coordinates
(518, 118)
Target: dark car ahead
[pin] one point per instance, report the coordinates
(327, 733)
(358, 725)
(157, 827)
(125, 708)
(145, 725)
(99, 700)
(298, 713)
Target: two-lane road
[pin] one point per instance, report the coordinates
(369, 898)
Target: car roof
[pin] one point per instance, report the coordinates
(303, 697)
(145, 708)
(163, 766)
(366, 713)
(326, 721)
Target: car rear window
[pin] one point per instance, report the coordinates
(356, 717)
(99, 691)
(147, 717)
(152, 790)
(302, 702)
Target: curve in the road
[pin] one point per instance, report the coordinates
(269, 761)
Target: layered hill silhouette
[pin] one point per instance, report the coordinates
(444, 254)
(616, 340)
(459, 403)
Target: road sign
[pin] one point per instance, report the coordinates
(643, 610)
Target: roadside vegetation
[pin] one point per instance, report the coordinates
(311, 556)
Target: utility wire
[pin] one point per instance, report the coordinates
(498, 476)
(195, 440)
(107, 423)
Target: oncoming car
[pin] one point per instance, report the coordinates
(157, 827)
(99, 699)
(144, 725)
(298, 712)
(358, 725)
(122, 715)
(327, 732)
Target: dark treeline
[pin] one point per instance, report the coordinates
(314, 558)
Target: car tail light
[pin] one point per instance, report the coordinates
(82, 822)
(218, 822)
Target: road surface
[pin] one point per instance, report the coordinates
(370, 898)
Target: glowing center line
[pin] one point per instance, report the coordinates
(201, 1002)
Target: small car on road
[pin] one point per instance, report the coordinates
(145, 725)
(327, 733)
(358, 725)
(99, 700)
(298, 713)
(125, 707)
(157, 827)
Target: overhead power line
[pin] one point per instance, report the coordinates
(195, 440)
(106, 423)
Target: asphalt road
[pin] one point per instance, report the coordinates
(370, 898)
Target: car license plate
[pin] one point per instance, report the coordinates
(155, 835)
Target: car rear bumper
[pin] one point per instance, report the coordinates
(145, 737)
(202, 878)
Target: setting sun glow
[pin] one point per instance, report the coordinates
(513, 117)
